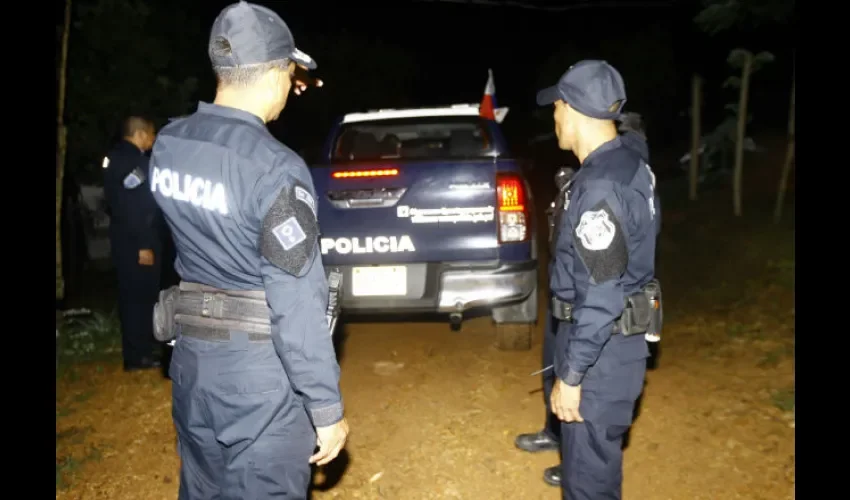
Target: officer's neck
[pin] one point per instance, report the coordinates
(592, 138)
(135, 142)
(244, 101)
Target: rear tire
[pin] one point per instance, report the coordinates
(515, 324)
(514, 336)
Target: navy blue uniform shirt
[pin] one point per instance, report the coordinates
(132, 210)
(242, 212)
(605, 251)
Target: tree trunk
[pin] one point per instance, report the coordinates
(696, 133)
(61, 143)
(742, 133)
(789, 157)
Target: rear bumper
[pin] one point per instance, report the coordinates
(448, 288)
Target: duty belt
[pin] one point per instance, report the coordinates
(204, 309)
(642, 312)
(208, 307)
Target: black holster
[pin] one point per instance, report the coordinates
(163, 314)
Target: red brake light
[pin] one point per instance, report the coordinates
(513, 210)
(383, 172)
(511, 193)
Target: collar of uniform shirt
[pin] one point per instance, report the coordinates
(238, 114)
(607, 146)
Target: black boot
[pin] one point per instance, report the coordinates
(538, 441)
(552, 475)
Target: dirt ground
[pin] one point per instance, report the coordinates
(434, 413)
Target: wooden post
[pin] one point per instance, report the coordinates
(696, 134)
(789, 157)
(61, 149)
(742, 133)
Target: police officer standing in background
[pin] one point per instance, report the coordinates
(135, 240)
(242, 211)
(633, 135)
(604, 295)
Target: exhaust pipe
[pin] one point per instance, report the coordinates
(455, 320)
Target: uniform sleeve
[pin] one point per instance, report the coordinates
(130, 199)
(297, 292)
(601, 254)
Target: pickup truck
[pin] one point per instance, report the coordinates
(424, 210)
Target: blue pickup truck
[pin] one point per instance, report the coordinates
(424, 210)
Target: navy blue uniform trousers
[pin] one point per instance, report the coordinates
(257, 442)
(591, 451)
(138, 290)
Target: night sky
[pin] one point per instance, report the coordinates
(450, 46)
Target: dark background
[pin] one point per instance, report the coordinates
(150, 58)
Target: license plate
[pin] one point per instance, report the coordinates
(378, 280)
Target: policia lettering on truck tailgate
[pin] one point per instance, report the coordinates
(369, 244)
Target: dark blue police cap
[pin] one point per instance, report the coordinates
(256, 35)
(593, 88)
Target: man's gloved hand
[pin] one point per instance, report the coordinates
(145, 257)
(331, 441)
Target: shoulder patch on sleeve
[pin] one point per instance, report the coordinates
(135, 178)
(290, 230)
(601, 243)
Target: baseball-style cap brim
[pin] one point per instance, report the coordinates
(548, 96)
(594, 88)
(303, 59)
(552, 94)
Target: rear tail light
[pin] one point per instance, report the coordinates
(381, 172)
(513, 206)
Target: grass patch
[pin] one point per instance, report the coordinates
(775, 356)
(66, 466)
(96, 336)
(783, 399)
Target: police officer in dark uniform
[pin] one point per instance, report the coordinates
(135, 239)
(633, 135)
(605, 298)
(250, 405)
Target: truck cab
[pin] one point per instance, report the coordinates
(425, 210)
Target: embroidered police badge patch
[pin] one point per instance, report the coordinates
(595, 230)
(134, 179)
(290, 231)
(601, 244)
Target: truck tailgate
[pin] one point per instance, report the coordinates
(424, 211)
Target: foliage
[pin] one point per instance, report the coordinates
(720, 143)
(723, 15)
(93, 336)
(126, 56)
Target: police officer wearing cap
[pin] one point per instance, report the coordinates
(605, 298)
(135, 240)
(250, 406)
(633, 135)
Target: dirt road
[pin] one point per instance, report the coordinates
(434, 413)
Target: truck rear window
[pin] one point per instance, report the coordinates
(413, 138)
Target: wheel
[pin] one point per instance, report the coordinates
(515, 324)
(514, 336)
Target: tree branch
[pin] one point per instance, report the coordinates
(582, 4)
